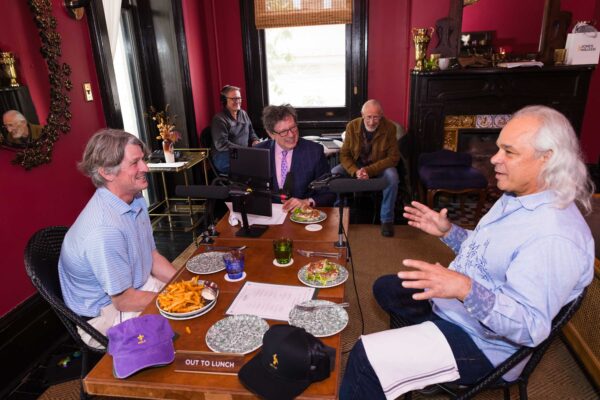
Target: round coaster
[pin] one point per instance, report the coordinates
(275, 263)
(313, 227)
(241, 278)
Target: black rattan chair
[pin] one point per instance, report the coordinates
(41, 263)
(494, 380)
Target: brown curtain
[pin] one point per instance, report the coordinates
(282, 13)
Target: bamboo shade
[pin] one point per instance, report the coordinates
(284, 13)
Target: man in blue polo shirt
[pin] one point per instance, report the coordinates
(109, 267)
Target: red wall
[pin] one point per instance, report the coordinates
(55, 193)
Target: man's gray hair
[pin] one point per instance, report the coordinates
(106, 149)
(565, 172)
(16, 114)
(372, 102)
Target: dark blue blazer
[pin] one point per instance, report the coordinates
(308, 164)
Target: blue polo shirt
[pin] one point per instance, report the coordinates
(106, 251)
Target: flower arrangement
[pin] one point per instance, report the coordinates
(165, 124)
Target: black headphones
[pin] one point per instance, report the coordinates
(223, 94)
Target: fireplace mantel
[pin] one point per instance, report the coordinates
(435, 95)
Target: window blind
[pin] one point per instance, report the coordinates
(285, 13)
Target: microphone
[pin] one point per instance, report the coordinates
(350, 185)
(211, 192)
(323, 181)
(286, 190)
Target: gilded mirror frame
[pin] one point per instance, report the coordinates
(59, 115)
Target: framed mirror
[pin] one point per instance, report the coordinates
(37, 148)
(541, 25)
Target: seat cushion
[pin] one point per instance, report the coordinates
(445, 158)
(453, 178)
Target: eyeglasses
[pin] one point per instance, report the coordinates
(235, 99)
(373, 118)
(286, 132)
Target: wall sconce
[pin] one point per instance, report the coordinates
(76, 8)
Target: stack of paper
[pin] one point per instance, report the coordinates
(521, 64)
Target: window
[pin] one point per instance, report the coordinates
(304, 75)
(319, 69)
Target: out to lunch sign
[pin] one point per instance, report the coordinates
(208, 363)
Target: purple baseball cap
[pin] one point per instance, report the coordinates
(141, 342)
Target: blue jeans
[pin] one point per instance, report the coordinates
(360, 380)
(390, 192)
(221, 161)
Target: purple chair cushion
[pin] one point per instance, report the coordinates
(453, 178)
(445, 158)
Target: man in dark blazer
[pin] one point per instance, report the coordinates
(295, 162)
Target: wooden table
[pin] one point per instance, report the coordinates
(297, 232)
(164, 382)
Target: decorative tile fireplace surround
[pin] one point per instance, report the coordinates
(447, 105)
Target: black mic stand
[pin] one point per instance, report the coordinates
(211, 231)
(340, 244)
(246, 230)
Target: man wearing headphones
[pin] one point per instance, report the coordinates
(230, 128)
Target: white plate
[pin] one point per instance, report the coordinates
(322, 216)
(197, 312)
(204, 311)
(311, 137)
(320, 322)
(341, 278)
(206, 263)
(240, 334)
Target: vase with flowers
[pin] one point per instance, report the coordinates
(165, 124)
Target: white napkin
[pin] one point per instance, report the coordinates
(167, 164)
(410, 358)
(277, 218)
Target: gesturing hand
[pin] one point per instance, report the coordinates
(424, 218)
(293, 202)
(439, 281)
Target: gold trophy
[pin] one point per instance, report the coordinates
(421, 37)
(7, 63)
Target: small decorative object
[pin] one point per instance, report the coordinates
(7, 62)
(166, 129)
(444, 63)
(433, 64)
(421, 38)
(559, 56)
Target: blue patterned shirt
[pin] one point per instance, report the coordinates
(106, 251)
(526, 259)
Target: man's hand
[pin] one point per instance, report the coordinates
(255, 142)
(362, 174)
(293, 202)
(439, 281)
(424, 218)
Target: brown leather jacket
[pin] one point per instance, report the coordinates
(384, 153)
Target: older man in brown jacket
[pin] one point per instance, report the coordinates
(370, 150)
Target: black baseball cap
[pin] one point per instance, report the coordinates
(289, 361)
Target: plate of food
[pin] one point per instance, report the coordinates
(319, 322)
(311, 137)
(176, 318)
(240, 334)
(189, 298)
(323, 274)
(206, 263)
(307, 215)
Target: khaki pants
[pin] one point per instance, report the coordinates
(110, 316)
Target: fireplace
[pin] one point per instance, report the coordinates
(465, 108)
(477, 135)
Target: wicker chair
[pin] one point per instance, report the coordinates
(41, 263)
(493, 380)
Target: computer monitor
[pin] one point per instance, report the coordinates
(252, 167)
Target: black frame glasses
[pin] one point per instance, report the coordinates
(286, 132)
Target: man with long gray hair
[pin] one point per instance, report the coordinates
(109, 267)
(531, 254)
